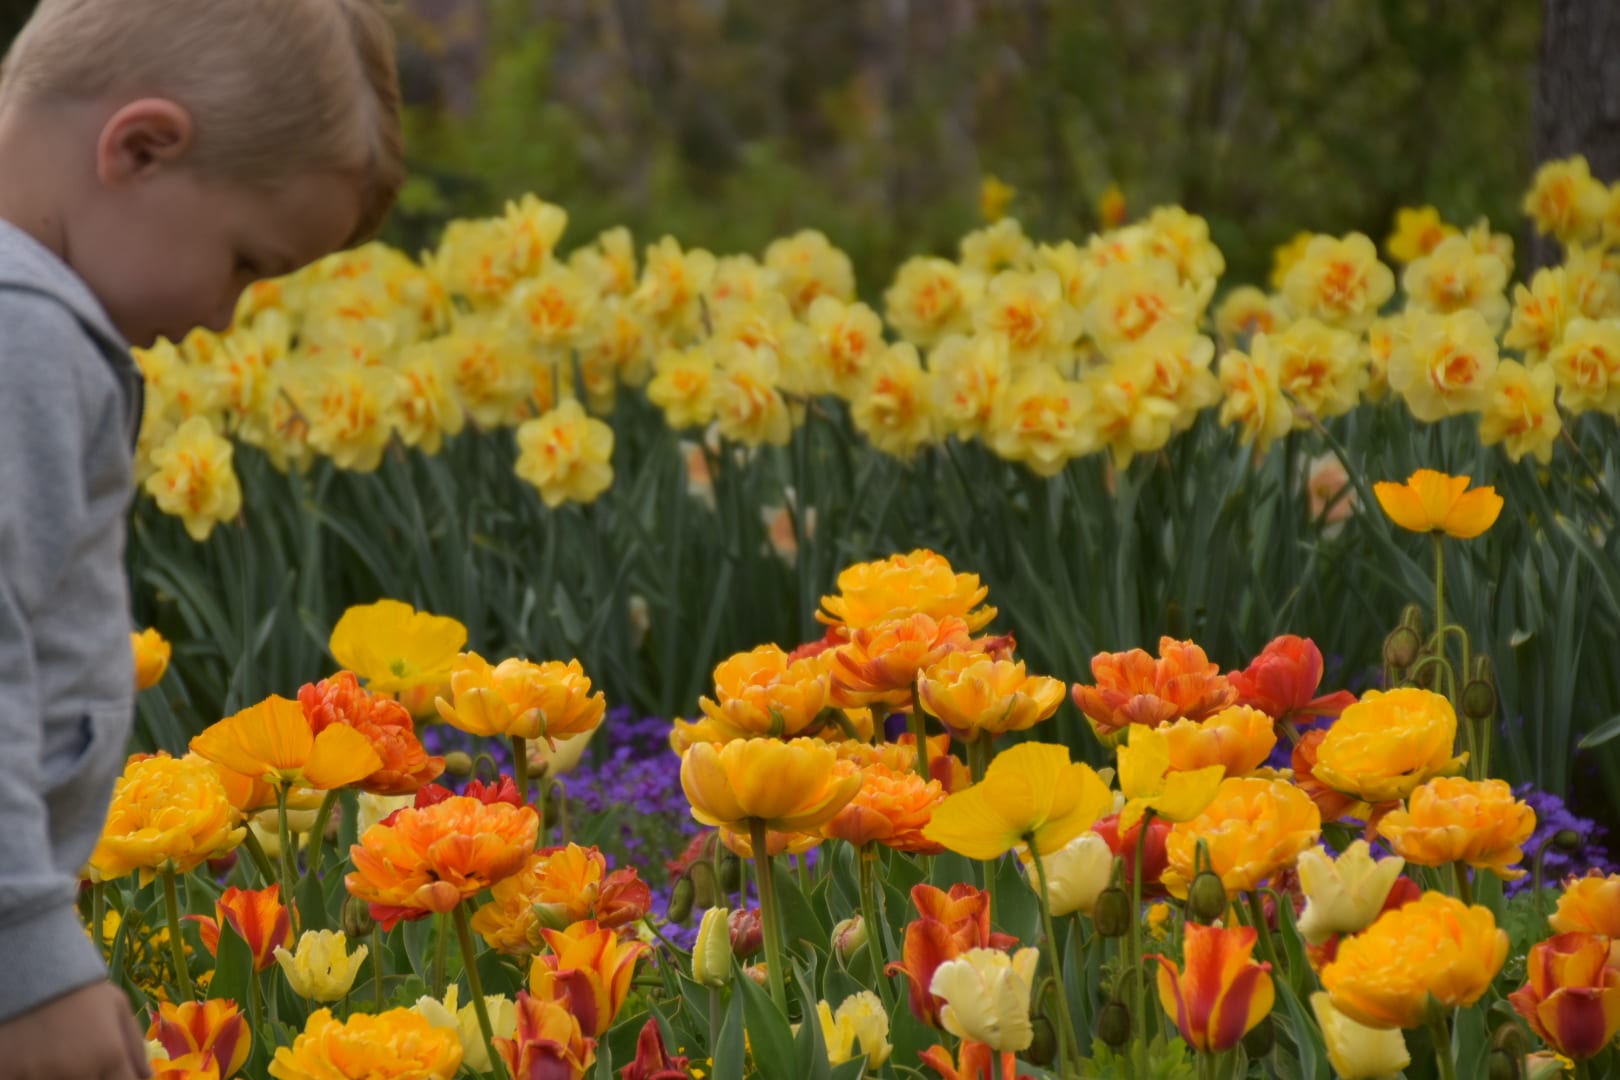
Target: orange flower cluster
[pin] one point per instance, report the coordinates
(880, 663)
(386, 724)
(891, 809)
(920, 582)
(555, 888)
(1135, 688)
(429, 860)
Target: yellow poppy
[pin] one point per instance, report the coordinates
(1031, 793)
(273, 741)
(394, 647)
(1432, 501)
(1148, 782)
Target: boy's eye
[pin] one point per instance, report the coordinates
(247, 267)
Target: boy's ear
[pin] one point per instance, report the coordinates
(141, 138)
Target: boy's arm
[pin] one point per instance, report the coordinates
(43, 945)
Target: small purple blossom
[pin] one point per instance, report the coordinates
(1552, 815)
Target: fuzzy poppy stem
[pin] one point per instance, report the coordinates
(177, 948)
(919, 731)
(865, 857)
(317, 836)
(1065, 1026)
(261, 861)
(759, 837)
(1138, 977)
(469, 956)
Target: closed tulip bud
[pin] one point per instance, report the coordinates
(681, 899)
(1113, 912)
(552, 917)
(357, 920)
(458, 763)
(1401, 647)
(1043, 1046)
(1258, 1043)
(1114, 1024)
(849, 937)
(747, 932)
(1206, 897)
(711, 956)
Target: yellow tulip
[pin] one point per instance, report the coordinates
(1452, 819)
(986, 997)
(975, 694)
(1031, 793)
(1076, 874)
(166, 814)
(789, 786)
(272, 741)
(860, 1028)
(1359, 1052)
(152, 654)
(1388, 743)
(711, 956)
(394, 647)
(393, 1045)
(322, 968)
(1252, 829)
(1432, 501)
(1343, 895)
(1148, 783)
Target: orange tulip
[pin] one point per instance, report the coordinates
(1252, 830)
(880, 663)
(1432, 501)
(549, 1041)
(1223, 993)
(395, 1045)
(1589, 905)
(790, 787)
(520, 698)
(1239, 739)
(589, 967)
(901, 756)
(429, 860)
(1282, 683)
(274, 742)
(1451, 819)
(216, 1029)
(1572, 996)
(186, 1067)
(557, 887)
(891, 809)
(258, 917)
(974, 694)
(740, 844)
(1134, 688)
(152, 652)
(920, 582)
(386, 724)
(949, 924)
(975, 1061)
(763, 692)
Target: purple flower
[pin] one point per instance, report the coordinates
(1552, 816)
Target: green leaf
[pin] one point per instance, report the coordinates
(311, 901)
(732, 1050)
(769, 1037)
(1601, 734)
(800, 919)
(233, 968)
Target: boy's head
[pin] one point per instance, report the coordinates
(198, 145)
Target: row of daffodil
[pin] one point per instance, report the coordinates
(975, 905)
(1044, 352)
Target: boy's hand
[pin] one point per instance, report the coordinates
(89, 1034)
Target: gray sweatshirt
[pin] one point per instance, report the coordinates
(69, 410)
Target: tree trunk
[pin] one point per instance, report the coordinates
(1578, 92)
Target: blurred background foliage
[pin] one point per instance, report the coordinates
(729, 122)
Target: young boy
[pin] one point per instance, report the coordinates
(156, 157)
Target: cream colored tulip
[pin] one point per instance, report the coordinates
(463, 1020)
(986, 994)
(1344, 895)
(1076, 874)
(322, 968)
(1359, 1052)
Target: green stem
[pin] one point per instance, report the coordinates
(261, 861)
(759, 836)
(1065, 1026)
(177, 947)
(918, 723)
(440, 948)
(520, 776)
(289, 872)
(865, 858)
(1581, 1071)
(469, 957)
(1442, 1045)
(978, 753)
(1138, 978)
(801, 865)
(377, 964)
(1440, 589)
(1268, 949)
(317, 838)
(717, 1012)
(255, 1006)
(1465, 888)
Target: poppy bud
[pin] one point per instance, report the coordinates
(357, 920)
(1114, 1024)
(1206, 897)
(1569, 841)
(730, 871)
(1479, 700)
(1501, 1065)
(1401, 647)
(1042, 1049)
(1113, 912)
(458, 763)
(681, 899)
(1412, 618)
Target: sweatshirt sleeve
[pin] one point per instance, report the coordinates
(43, 945)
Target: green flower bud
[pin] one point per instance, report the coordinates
(357, 920)
(1043, 1049)
(849, 937)
(1501, 1065)
(1479, 700)
(730, 871)
(1206, 897)
(458, 763)
(1113, 912)
(681, 899)
(1569, 841)
(1401, 647)
(1114, 1024)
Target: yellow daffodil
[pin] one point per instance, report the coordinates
(1031, 793)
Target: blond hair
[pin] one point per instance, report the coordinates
(274, 87)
